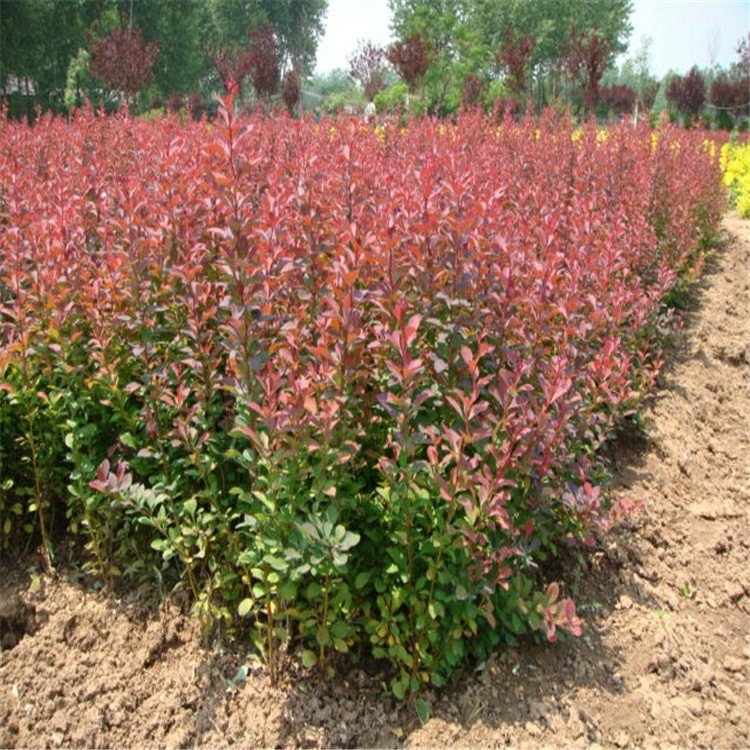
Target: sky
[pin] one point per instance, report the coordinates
(683, 33)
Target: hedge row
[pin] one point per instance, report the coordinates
(346, 385)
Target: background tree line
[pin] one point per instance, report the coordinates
(447, 54)
(47, 46)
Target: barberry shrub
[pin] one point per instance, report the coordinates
(344, 385)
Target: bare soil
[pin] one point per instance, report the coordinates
(666, 606)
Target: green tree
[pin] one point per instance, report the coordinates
(468, 34)
(298, 25)
(456, 49)
(38, 40)
(179, 28)
(43, 47)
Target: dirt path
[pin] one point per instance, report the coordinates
(664, 662)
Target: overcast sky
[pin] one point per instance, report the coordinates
(683, 32)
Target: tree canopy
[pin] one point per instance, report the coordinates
(47, 44)
(529, 42)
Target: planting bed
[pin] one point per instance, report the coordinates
(666, 609)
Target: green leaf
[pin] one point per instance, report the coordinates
(288, 590)
(264, 499)
(339, 558)
(340, 646)
(309, 658)
(436, 610)
(361, 580)
(535, 621)
(340, 629)
(349, 540)
(322, 636)
(314, 590)
(276, 562)
(128, 440)
(422, 708)
(245, 607)
(399, 689)
(259, 590)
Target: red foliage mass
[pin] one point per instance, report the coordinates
(621, 99)
(263, 61)
(123, 61)
(687, 94)
(462, 311)
(587, 61)
(412, 58)
(515, 56)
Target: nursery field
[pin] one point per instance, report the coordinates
(302, 419)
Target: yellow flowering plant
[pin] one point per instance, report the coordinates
(735, 164)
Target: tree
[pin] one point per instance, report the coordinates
(411, 58)
(291, 89)
(457, 51)
(743, 63)
(179, 27)
(618, 98)
(635, 72)
(587, 60)
(299, 26)
(515, 58)
(264, 61)
(366, 67)
(729, 93)
(474, 88)
(38, 40)
(467, 34)
(123, 61)
(43, 43)
(232, 66)
(687, 94)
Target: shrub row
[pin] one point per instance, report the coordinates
(345, 385)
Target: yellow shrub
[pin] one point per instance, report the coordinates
(735, 163)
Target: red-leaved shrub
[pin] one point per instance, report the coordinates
(345, 382)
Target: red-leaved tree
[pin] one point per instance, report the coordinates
(232, 65)
(472, 90)
(411, 58)
(123, 61)
(587, 61)
(366, 67)
(291, 88)
(515, 58)
(730, 95)
(730, 92)
(264, 66)
(620, 99)
(687, 94)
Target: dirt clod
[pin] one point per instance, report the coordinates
(16, 618)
